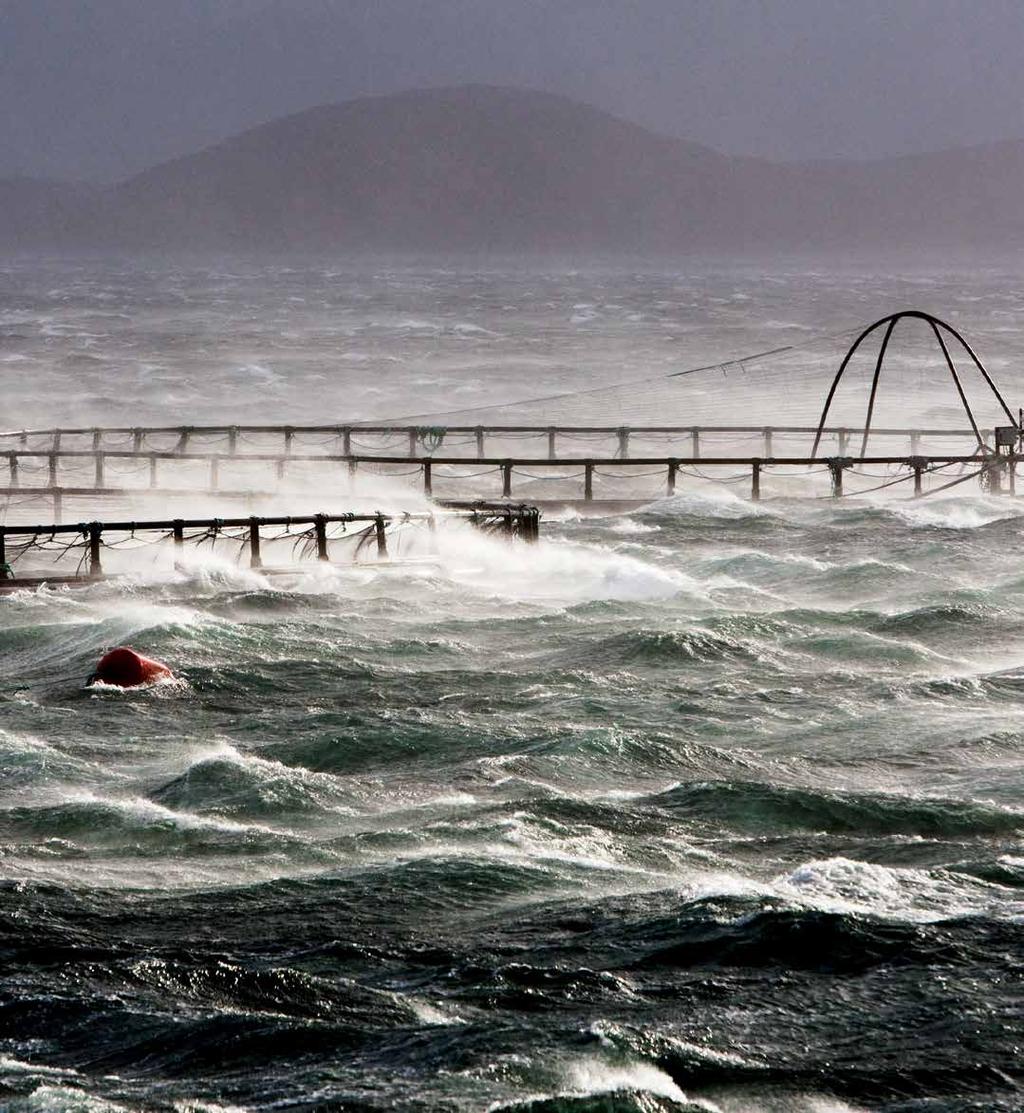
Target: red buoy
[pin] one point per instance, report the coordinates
(125, 668)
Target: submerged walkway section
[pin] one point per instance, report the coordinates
(313, 535)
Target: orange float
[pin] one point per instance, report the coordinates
(124, 668)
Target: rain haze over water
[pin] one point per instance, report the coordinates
(698, 803)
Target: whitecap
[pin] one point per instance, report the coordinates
(956, 513)
(632, 527)
(846, 885)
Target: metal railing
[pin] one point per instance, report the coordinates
(514, 522)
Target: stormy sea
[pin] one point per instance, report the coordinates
(711, 805)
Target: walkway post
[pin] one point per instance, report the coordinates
(533, 526)
(95, 532)
(320, 529)
(994, 470)
(836, 468)
(255, 559)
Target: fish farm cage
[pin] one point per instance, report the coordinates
(914, 425)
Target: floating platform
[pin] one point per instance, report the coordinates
(998, 467)
(310, 536)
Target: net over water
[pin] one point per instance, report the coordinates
(711, 804)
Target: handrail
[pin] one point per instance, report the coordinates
(301, 430)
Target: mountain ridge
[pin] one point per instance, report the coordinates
(483, 167)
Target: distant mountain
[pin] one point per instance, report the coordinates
(472, 167)
(969, 197)
(38, 212)
(486, 168)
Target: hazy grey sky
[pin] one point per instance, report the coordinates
(101, 88)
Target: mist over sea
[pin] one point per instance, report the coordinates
(714, 805)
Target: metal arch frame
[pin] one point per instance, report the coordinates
(936, 325)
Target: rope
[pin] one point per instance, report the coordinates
(632, 475)
(714, 478)
(506, 435)
(953, 483)
(140, 543)
(780, 476)
(900, 479)
(632, 383)
(870, 490)
(467, 475)
(377, 444)
(432, 437)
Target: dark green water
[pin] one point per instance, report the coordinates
(701, 805)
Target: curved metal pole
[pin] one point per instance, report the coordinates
(874, 384)
(959, 385)
(839, 374)
(936, 324)
(981, 367)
